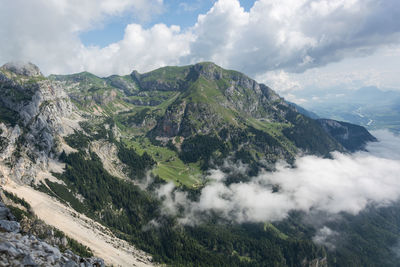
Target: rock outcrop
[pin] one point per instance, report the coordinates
(21, 68)
(18, 249)
(35, 114)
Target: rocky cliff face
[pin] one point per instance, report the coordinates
(187, 119)
(166, 104)
(24, 69)
(229, 106)
(19, 249)
(41, 114)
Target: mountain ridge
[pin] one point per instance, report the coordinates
(172, 105)
(101, 146)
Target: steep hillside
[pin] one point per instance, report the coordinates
(352, 137)
(103, 147)
(27, 241)
(172, 112)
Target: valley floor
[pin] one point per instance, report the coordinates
(99, 239)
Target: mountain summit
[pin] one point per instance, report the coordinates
(102, 147)
(22, 68)
(199, 114)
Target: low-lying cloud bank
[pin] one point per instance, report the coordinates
(346, 183)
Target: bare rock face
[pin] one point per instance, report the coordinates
(17, 249)
(171, 122)
(9, 226)
(5, 213)
(25, 69)
(37, 109)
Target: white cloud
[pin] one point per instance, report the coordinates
(141, 49)
(379, 70)
(294, 99)
(346, 183)
(295, 35)
(326, 237)
(281, 81)
(218, 31)
(292, 35)
(193, 6)
(46, 32)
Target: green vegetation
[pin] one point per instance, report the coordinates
(84, 78)
(78, 140)
(169, 166)
(17, 200)
(131, 212)
(20, 96)
(78, 248)
(368, 239)
(17, 212)
(72, 244)
(308, 135)
(172, 77)
(177, 123)
(352, 137)
(199, 100)
(139, 117)
(202, 147)
(3, 143)
(63, 193)
(138, 165)
(99, 188)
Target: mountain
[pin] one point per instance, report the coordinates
(101, 148)
(304, 111)
(351, 136)
(178, 104)
(368, 106)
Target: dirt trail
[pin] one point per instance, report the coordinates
(79, 227)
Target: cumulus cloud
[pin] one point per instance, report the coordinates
(294, 35)
(141, 49)
(47, 32)
(378, 70)
(272, 35)
(347, 183)
(281, 81)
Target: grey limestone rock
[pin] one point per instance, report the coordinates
(22, 68)
(9, 226)
(5, 213)
(70, 264)
(17, 249)
(29, 261)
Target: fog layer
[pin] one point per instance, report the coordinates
(346, 183)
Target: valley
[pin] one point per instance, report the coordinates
(369, 106)
(116, 162)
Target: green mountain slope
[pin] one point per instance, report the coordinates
(171, 124)
(170, 112)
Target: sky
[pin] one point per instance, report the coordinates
(290, 45)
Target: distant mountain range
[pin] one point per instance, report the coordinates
(368, 106)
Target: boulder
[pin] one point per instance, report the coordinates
(9, 226)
